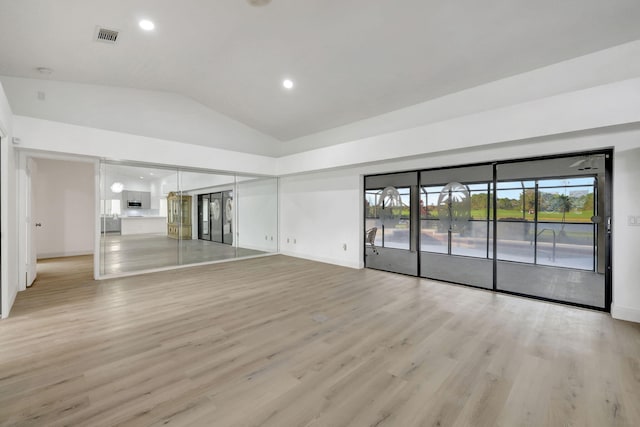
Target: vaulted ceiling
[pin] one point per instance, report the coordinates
(348, 59)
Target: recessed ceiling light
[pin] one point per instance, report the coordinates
(142, 177)
(287, 83)
(146, 25)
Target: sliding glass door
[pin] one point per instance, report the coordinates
(227, 217)
(456, 225)
(203, 217)
(552, 234)
(534, 227)
(215, 217)
(211, 218)
(391, 219)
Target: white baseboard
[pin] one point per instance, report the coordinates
(333, 261)
(625, 313)
(12, 299)
(63, 254)
(258, 248)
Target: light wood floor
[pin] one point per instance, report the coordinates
(279, 341)
(138, 252)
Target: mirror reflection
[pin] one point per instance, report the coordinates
(154, 217)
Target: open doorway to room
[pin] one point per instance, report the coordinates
(58, 211)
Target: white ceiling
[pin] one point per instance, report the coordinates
(350, 59)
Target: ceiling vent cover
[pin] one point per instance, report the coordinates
(106, 35)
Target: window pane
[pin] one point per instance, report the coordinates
(515, 202)
(569, 181)
(396, 235)
(482, 186)
(369, 224)
(371, 202)
(515, 241)
(432, 237)
(517, 185)
(571, 204)
(573, 245)
(472, 241)
(479, 204)
(397, 224)
(429, 202)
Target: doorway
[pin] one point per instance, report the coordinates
(533, 227)
(57, 210)
(215, 217)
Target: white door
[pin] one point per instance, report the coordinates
(31, 256)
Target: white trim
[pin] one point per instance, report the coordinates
(97, 231)
(625, 313)
(48, 255)
(361, 221)
(339, 262)
(21, 179)
(178, 267)
(4, 218)
(258, 248)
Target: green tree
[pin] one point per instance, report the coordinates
(529, 196)
(561, 203)
(479, 201)
(588, 203)
(508, 204)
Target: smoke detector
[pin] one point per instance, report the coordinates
(106, 35)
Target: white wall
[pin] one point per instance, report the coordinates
(257, 206)
(626, 238)
(195, 182)
(64, 203)
(154, 114)
(57, 137)
(319, 213)
(8, 212)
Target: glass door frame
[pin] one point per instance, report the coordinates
(389, 258)
(201, 216)
(604, 192)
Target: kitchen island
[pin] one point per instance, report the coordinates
(143, 225)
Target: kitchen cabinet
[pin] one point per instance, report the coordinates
(109, 224)
(144, 197)
(178, 216)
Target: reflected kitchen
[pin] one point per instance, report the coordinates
(138, 211)
(153, 217)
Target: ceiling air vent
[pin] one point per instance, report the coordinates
(106, 35)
